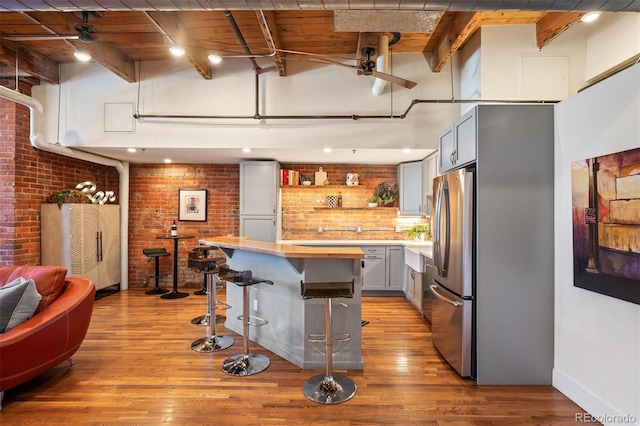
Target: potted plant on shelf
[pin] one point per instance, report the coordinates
(67, 196)
(418, 231)
(306, 180)
(373, 201)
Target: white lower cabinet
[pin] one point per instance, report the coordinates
(374, 270)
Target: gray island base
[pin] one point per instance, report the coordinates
(291, 319)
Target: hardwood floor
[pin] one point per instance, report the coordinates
(136, 367)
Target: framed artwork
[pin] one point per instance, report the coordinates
(606, 224)
(192, 205)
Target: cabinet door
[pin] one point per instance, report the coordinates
(466, 137)
(395, 267)
(374, 275)
(429, 172)
(447, 149)
(258, 228)
(410, 188)
(258, 187)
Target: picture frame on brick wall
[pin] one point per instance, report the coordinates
(192, 205)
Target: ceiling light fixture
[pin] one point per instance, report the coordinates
(167, 160)
(327, 150)
(82, 55)
(590, 17)
(214, 58)
(131, 150)
(246, 149)
(406, 150)
(176, 50)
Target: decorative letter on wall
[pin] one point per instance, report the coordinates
(99, 197)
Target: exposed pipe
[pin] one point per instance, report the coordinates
(37, 141)
(245, 47)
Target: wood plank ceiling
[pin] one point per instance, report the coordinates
(34, 43)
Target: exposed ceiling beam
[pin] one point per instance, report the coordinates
(553, 24)
(271, 36)
(29, 61)
(173, 27)
(103, 53)
(459, 31)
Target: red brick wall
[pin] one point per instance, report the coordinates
(154, 206)
(28, 176)
(304, 207)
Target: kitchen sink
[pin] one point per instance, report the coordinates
(414, 259)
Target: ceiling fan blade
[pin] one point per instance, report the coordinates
(46, 37)
(395, 80)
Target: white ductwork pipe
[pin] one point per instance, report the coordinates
(37, 141)
(382, 64)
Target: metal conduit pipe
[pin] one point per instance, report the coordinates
(239, 36)
(37, 141)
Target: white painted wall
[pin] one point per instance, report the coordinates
(173, 88)
(612, 39)
(597, 338)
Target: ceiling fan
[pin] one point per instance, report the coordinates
(84, 31)
(366, 65)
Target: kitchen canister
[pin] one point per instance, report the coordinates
(353, 179)
(332, 201)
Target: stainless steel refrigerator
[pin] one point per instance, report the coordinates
(452, 284)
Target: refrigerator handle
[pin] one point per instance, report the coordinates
(441, 259)
(444, 299)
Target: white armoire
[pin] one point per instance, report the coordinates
(84, 238)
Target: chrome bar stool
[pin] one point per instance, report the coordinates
(156, 253)
(246, 363)
(200, 253)
(328, 388)
(211, 342)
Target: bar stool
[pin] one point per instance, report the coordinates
(246, 363)
(156, 253)
(211, 342)
(328, 388)
(195, 257)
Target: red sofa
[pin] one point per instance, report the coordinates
(55, 331)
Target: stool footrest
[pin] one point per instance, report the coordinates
(158, 276)
(221, 306)
(259, 321)
(335, 337)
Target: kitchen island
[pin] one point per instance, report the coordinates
(292, 319)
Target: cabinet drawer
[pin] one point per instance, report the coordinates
(380, 250)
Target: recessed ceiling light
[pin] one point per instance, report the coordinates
(590, 17)
(131, 149)
(246, 149)
(176, 50)
(406, 150)
(167, 160)
(327, 150)
(82, 55)
(215, 58)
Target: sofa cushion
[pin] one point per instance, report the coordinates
(49, 280)
(18, 301)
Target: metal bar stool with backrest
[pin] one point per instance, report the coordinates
(328, 388)
(246, 363)
(156, 253)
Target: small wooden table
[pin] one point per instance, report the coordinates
(175, 294)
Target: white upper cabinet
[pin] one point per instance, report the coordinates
(410, 188)
(429, 172)
(258, 187)
(458, 142)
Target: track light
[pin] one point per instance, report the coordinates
(82, 55)
(176, 50)
(214, 58)
(590, 17)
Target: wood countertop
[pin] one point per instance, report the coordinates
(289, 251)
